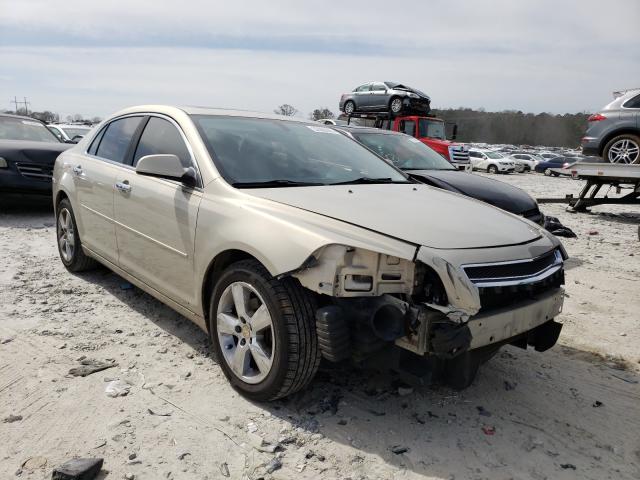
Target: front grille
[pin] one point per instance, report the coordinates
(36, 171)
(503, 284)
(500, 297)
(459, 156)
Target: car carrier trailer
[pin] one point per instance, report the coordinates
(598, 175)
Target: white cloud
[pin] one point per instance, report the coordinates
(534, 56)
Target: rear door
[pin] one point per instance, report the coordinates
(94, 177)
(156, 218)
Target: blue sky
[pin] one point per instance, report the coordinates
(78, 57)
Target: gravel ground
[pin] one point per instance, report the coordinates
(571, 412)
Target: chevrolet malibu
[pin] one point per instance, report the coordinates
(287, 241)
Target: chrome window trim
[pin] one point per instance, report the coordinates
(192, 158)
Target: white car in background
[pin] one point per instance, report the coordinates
(491, 161)
(527, 160)
(69, 133)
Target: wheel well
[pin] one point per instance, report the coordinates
(61, 196)
(214, 270)
(607, 139)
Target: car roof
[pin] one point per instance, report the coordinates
(21, 117)
(359, 129)
(74, 125)
(198, 110)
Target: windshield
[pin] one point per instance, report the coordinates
(494, 155)
(75, 131)
(252, 151)
(431, 128)
(23, 129)
(403, 151)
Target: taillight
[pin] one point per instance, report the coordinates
(596, 117)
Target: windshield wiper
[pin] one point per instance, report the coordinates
(364, 180)
(275, 183)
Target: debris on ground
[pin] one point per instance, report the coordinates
(12, 418)
(568, 466)
(224, 469)
(159, 412)
(553, 225)
(34, 463)
(597, 404)
(117, 388)
(593, 232)
(78, 469)
(488, 430)
(482, 411)
(399, 449)
(89, 366)
(273, 465)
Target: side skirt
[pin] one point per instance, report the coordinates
(194, 317)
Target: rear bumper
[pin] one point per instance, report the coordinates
(590, 146)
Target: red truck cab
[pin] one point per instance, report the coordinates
(432, 132)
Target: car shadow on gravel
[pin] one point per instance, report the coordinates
(527, 413)
(565, 413)
(26, 211)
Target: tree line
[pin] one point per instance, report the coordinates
(509, 126)
(515, 127)
(52, 117)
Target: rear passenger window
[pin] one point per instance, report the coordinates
(162, 137)
(633, 103)
(116, 139)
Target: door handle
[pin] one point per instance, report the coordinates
(124, 186)
(77, 170)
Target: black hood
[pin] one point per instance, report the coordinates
(493, 192)
(23, 151)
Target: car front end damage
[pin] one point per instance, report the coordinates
(440, 305)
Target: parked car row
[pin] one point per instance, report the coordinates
(311, 242)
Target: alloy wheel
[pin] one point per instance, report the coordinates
(66, 235)
(624, 151)
(245, 332)
(349, 108)
(396, 105)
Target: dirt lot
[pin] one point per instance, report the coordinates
(572, 412)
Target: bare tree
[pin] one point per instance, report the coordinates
(322, 112)
(77, 117)
(96, 119)
(286, 110)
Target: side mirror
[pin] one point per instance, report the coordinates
(168, 167)
(77, 138)
(454, 133)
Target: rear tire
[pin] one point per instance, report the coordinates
(547, 172)
(623, 149)
(492, 169)
(349, 107)
(68, 239)
(291, 342)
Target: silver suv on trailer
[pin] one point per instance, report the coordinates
(287, 241)
(614, 132)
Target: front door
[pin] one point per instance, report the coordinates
(156, 218)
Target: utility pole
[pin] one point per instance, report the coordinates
(15, 101)
(26, 105)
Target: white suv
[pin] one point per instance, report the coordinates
(490, 161)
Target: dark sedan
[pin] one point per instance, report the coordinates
(28, 151)
(557, 162)
(385, 97)
(425, 165)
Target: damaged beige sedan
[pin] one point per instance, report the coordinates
(288, 242)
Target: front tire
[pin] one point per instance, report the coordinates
(623, 149)
(492, 169)
(69, 245)
(395, 105)
(263, 332)
(547, 172)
